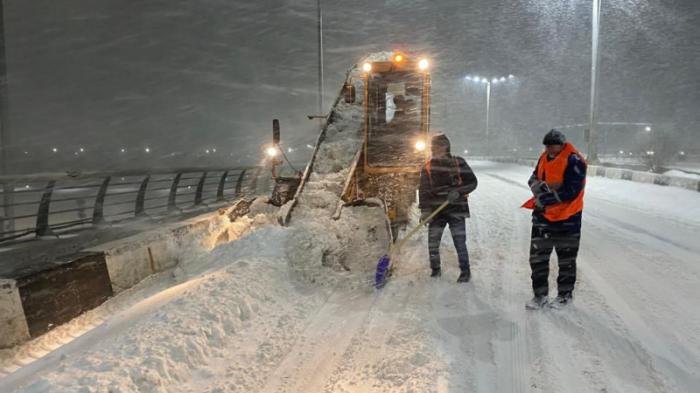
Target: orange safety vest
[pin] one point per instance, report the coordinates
(552, 172)
(428, 166)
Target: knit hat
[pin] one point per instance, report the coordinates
(554, 137)
(440, 140)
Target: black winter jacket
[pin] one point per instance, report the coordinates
(445, 174)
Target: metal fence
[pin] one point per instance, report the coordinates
(43, 205)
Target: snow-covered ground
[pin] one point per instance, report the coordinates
(278, 310)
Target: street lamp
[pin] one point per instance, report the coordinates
(488, 84)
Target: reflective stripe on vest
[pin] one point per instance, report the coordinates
(428, 168)
(552, 172)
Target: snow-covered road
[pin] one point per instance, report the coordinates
(263, 315)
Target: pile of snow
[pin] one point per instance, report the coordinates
(246, 301)
(679, 173)
(343, 139)
(353, 243)
(239, 298)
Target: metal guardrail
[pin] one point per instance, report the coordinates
(41, 204)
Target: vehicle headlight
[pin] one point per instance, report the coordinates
(423, 64)
(272, 151)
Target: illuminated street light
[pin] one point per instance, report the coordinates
(55, 150)
(82, 150)
(272, 151)
(485, 81)
(647, 129)
(147, 150)
(123, 150)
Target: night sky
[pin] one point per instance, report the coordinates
(181, 76)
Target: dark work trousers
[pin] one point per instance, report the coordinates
(562, 238)
(459, 237)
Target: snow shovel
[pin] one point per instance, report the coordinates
(386, 264)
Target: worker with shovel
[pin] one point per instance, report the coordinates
(446, 178)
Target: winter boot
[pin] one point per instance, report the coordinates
(464, 276)
(436, 273)
(536, 302)
(561, 301)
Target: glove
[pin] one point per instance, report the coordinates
(453, 196)
(547, 198)
(539, 187)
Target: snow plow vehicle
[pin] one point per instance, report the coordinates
(396, 106)
(388, 125)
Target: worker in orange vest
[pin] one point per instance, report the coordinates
(446, 178)
(557, 185)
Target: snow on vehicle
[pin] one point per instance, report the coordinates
(390, 137)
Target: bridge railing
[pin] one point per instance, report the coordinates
(45, 204)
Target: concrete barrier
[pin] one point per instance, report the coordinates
(13, 323)
(131, 259)
(615, 173)
(37, 300)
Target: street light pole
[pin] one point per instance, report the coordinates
(595, 72)
(7, 189)
(320, 62)
(488, 110)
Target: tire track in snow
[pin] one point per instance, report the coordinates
(555, 360)
(511, 347)
(377, 345)
(319, 349)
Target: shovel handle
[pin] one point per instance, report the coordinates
(400, 243)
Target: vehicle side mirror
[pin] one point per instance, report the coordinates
(349, 93)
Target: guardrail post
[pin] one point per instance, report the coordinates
(239, 183)
(220, 190)
(42, 216)
(173, 192)
(98, 210)
(7, 221)
(139, 209)
(200, 189)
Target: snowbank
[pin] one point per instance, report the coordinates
(679, 173)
